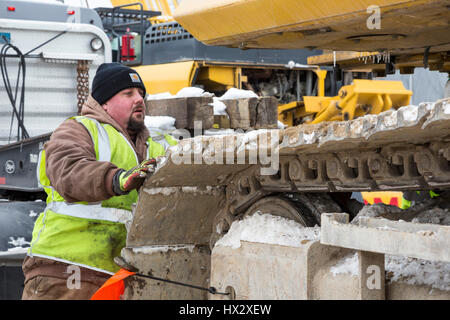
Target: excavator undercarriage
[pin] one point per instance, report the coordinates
(306, 173)
(208, 182)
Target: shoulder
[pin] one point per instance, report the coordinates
(71, 130)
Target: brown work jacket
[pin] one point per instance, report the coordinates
(76, 174)
(71, 165)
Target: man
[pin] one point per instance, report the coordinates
(90, 169)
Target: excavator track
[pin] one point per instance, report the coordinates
(405, 149)
(207, 182)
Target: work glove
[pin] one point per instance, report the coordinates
(125, 181)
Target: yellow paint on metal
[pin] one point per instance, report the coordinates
(293, 113)
(169, 77)
(165, 8)
(328, 58)
(287, 113)
(116, 3)
(386, 197)
(321, 74)
(316, 104)
(221, 75)
(231, 21)
(360, 98)
(152, 5)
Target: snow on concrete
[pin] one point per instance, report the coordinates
(281, 125)
(390, 119)
(418, 272)
(218, 132)
(186, 92)
(348, 264)
(219, 107)
(160, 122)
(167, 191)
(234, 93)
(447, 107)
(162, 248)
(410, 112)
(309, 138)
(18, 243)
(193, 92)
(411, 271)
(267, 228)
(160, 96)
(271, 229)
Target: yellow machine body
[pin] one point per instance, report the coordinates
(401, 26)
(214, 76)
(354, 100)
(360, 98)
(167, 77)
(172, 77)
(153, 5)
(393, 198)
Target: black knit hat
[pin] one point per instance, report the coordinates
(112, 78)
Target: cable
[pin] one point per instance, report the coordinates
(124, 264)
(18, 111)
(44, 43)
(211, 290)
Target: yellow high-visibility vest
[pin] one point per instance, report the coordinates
(90, 234)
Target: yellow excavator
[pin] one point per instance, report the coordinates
(172, 59)
(190, 206)
(306, 93)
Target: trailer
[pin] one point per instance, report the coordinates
(49, 55)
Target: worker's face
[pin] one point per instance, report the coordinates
(127, 107)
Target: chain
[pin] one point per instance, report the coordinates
(211, 290)
(82, 83)
(124, 264)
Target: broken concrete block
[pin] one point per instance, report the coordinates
(222, 122)
(185, 110)
(252, 113)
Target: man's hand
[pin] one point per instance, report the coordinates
(125, 181)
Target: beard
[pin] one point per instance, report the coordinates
(135, 125)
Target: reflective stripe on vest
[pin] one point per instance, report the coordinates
(91, 211)
(87, 234)
(102, 146)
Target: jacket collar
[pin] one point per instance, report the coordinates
(93, 109)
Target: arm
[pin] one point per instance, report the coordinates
(72, 167)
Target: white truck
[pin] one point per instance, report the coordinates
(49, 55)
